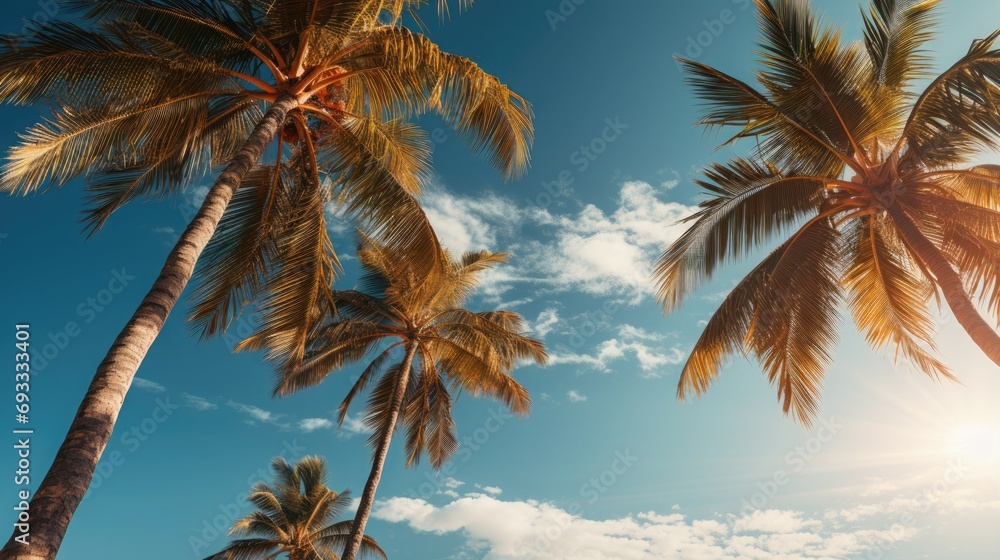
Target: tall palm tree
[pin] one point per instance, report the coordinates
(296, 517)
(400, 309)
(873, 189)
(150, 95)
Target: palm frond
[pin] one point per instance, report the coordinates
(236, 262)
(808, 73)
(174, 161)
(247, 549)
(299, 288)
(895, 34)
(962, 100)
(794, 324)
(889, 295)
(787, 139)
(411, 74)
(115, 61)
(750, 204)
(74, 143)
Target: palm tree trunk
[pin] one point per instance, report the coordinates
(68, 478)
(948, 279)
(378, 462)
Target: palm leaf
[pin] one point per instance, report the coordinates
(889, 295)
(750, 204)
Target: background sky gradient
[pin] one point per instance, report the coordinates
(609, 464)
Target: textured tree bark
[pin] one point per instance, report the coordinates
(950, 282)
(68, 478)
(368, 496)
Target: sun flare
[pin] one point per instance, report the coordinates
(977, 442)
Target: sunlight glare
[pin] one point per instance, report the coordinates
(978, 443)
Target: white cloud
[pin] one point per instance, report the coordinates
(717, 297)
(198, 403)
(491, 490)
(879, 488)
(513, 304)
(338, 221)
(452, 483)
(449, 486)
(650, 359)
(636, 333)
(255, 414)
(533, 530)
(630, 341)
(547, 320)
(612, 254)
(312, 424)
(593, 252)
(197, 196)
(773, 521)
(147, 385)
(469, 223)
(352, 426)
(575, 397)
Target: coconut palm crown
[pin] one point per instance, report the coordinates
(295, 516)
(425, 345)
(151, 95)
(292, 105)
(872, 189)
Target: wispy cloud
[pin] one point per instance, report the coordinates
(547, 320)
(646, 348)
(256, 414)
(591, 251)
(198, 403)
(449, 487)
(575, 397)
(147, 385)
(312, 424)
(491, 490)
(467, 223)
(353, 426)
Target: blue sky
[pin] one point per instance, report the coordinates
(609, 464)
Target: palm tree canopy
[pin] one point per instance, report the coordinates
(148, 96)
(397, 305)
(296, 515)
(841, 143)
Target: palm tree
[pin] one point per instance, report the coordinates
(444, 348)
(150, 95)
(295, 517)
(871, 187)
